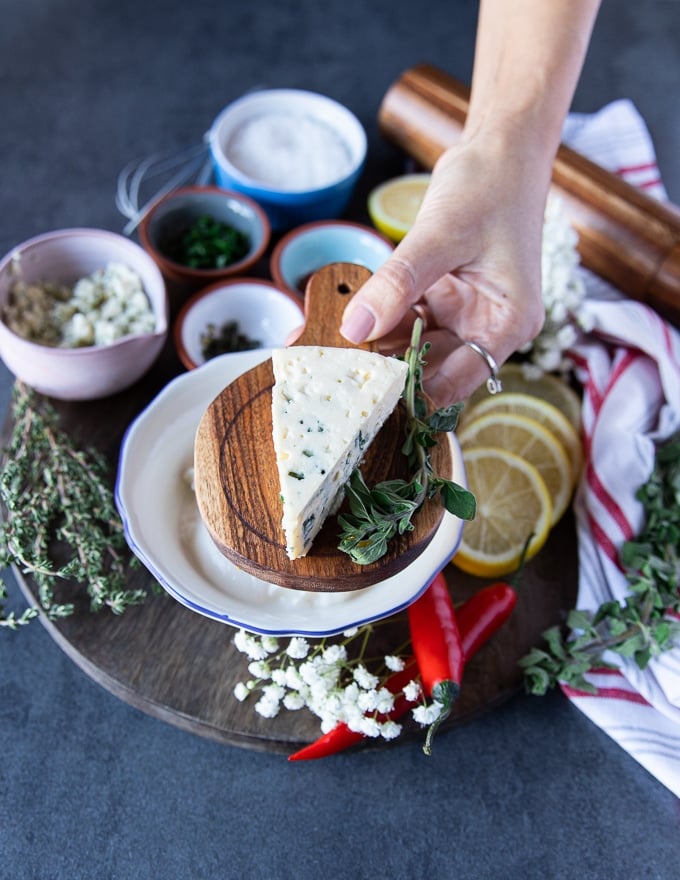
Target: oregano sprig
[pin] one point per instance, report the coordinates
(60, 523)
(639, 627)
(378, 514)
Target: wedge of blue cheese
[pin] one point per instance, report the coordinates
(328, 404)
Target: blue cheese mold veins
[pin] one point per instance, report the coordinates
(328, 404)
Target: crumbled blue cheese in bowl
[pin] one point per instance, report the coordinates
(97, 310)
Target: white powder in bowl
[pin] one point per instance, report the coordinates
(289, 152)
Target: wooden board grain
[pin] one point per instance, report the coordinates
(236, 477)
(181, 667)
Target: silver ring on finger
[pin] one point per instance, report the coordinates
(421, 312)
(493, 383)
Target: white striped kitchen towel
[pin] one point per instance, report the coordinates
(629, 366)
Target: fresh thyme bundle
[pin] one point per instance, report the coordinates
(377, 514)
(58, 505)
(640, 627)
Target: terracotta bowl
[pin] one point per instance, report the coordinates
(256, 310)
(174, 213)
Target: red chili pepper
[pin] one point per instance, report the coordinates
(487, 610)
(438, 648)
(342, 737)
(483, 614)
(478, 619)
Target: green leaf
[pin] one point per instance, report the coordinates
(445, 420)
(537, 681)
(553, 637)
(580, 620)
(456, 499)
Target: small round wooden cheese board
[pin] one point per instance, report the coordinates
(236, 478)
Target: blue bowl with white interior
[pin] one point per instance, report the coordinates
(299, 154)
(304, 250)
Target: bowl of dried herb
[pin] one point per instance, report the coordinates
(237, 314)
(198, 235)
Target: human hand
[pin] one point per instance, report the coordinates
(471, 266)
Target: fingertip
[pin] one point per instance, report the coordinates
(294, 335)
(357, 324)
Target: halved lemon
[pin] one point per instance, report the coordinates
(516, 378)
(532, 442)
(513, 502)
(542, 412)
(393, 205)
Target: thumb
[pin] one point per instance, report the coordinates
(387, 296)
(380, 303)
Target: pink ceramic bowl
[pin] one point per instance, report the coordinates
(95, 371)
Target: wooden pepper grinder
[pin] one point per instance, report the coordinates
(625, 236)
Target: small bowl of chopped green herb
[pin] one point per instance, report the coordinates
(201, 234)
(235, 315)
(83, 313)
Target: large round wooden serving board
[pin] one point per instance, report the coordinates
(236, 479)
(181, 667)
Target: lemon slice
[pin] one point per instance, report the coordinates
(541, 411)
(393, 205)
(532, 442)
(512, 503)
(546, 386)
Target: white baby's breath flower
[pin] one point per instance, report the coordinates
(269, 703)
(351, 632)
(309, 672)
(394, 663)
(274, 691)
(294, 700)
(327, 724)
(267, 707)
(390, 730)
(563, 291)
(425, 715)
(566, 336)
(548, 358)
(412, 691)
(384, 701)
(293, 678)
(298, 648)
(364, 678)
(334, 654)
(332, 705)
(250, 645)
(586, 320)
(367, 701)
(259, 669)
(320, 678)
(352, 716)
(350, 693)
(241, 692)
(370, 727)
(323, 700)
(240, 638)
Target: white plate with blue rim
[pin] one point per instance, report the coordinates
(164, 529)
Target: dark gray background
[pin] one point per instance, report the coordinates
(91, 788)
